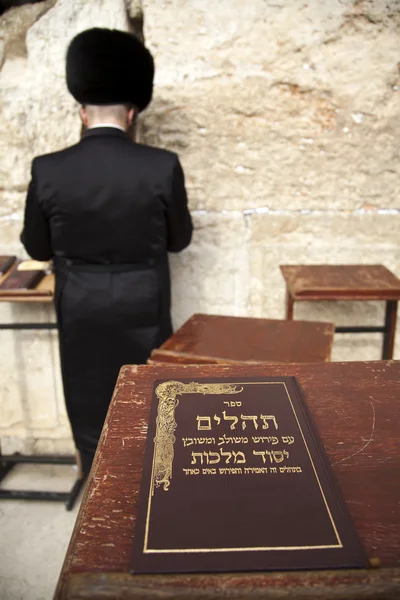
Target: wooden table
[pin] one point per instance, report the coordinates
(346, 282)
(214, 339)
(356, 409)
(43, 292)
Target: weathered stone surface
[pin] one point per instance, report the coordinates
(211, 275)
(10, 229)
(14, 25)
(37, 115)
(249, 144)
(276, 104)
(135, 17)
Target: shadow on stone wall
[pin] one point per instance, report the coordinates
(164, 125)
(6, 4)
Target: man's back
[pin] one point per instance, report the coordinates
(108, 211)
(108, 200)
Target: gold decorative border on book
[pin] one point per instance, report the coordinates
(167, 393)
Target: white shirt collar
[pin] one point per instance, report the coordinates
(107, 125)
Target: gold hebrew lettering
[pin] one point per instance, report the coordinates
(206, 471)
(204, 426)
(228, 454)
(249, 418)
(279, 455)
(265, 419)
(213, 458)
(270, 454)
(194, 459)
(287, 439)
(260, 453)
(230, 418)
(238, 459)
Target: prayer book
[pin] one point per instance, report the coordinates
(236, 478)
(22, 279)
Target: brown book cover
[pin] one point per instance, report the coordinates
(6, 262)
(235, 478)
(22, 280)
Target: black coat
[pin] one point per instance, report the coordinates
(107, 211)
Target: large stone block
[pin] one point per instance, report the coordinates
(276, 105)
(194, 41)
(37, 115)
(211, 275)
(247, 144)
(14, 25)
(345, 48)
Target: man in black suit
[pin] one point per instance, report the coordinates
(107, 211)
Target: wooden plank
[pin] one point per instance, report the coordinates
(341, 282)
(44, 292)
(338, 585)
(224, 339)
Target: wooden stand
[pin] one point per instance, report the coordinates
(312, 283)
(44, 292)
(353, 405)
(8, 462)
(215, 339)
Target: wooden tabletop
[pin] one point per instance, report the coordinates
(223, 339)
(43, 292)
(356, 409)
(341, 282)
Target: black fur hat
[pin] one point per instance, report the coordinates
(108, 66)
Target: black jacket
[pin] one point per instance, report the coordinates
(107, 211)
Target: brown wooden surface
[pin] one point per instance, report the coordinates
(221, 339)
(43, 292)
(341, 282)
(356, 409)
(6, 263)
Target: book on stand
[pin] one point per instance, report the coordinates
(235, 478)
(22, 279)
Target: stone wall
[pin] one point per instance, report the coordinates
(286, 119)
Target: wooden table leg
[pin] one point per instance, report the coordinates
(390, 329)
(289, 306)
